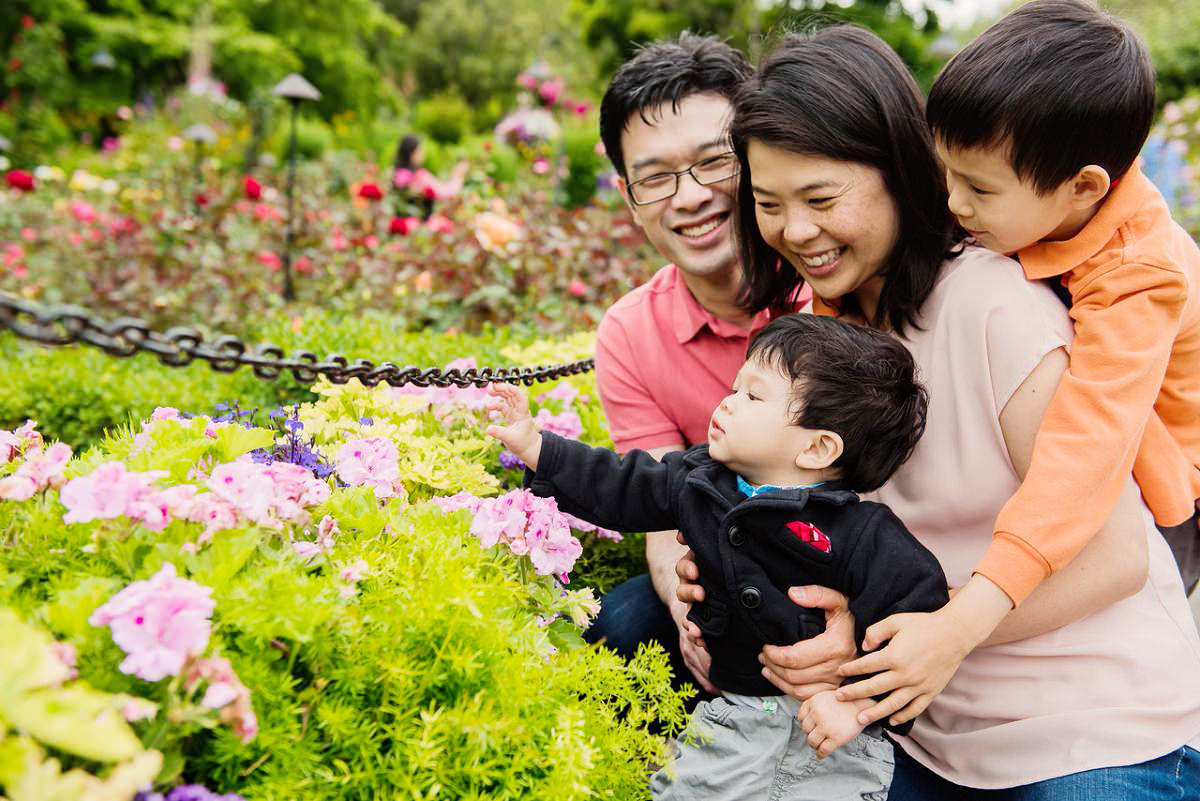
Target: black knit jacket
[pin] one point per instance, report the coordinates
(747, 555)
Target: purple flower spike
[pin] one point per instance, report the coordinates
(509, 460)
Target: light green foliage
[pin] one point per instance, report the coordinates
(41, 708)
(430, 678)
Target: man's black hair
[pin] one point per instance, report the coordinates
(842, 93)
(667, 72)
(1058, 84)
(856, 382)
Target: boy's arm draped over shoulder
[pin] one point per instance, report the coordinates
(1125, 325)
(633, 493)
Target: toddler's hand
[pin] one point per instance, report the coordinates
(829, 723)
(520, 435)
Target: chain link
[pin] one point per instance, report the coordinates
(179, 346)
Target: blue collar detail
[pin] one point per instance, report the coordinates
(749, 490)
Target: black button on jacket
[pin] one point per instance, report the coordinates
(747, 554)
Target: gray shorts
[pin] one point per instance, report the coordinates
(742, 748)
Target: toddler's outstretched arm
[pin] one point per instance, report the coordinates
(519, 434)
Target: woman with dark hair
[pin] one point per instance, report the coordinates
(1091, 687)
(410, 178)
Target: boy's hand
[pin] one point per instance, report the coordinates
(520, 434)
(830, 723)
(926, 649)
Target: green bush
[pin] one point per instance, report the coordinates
(445, 117)
(433, 672)
(583, 165)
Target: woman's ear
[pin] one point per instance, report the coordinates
(1089, 186)
(821, 449)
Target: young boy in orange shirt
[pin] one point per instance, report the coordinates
(1039, 123)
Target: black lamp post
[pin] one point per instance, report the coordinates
(199, 135)
(294, 88)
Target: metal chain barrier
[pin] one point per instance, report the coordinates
(179, 346)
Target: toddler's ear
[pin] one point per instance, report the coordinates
(1089, 186)
(820, 450)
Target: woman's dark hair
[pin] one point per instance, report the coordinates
(841, 93)
(667, 72)
(857, 382)
(404, 153)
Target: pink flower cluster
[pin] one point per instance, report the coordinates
(111, 491)
(566, 425)
(42, 467)
(225, 692)
(528, 525)
(267, 494)
(158, 623)
(327, 529)
(372, 462)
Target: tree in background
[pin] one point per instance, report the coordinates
(615, 28)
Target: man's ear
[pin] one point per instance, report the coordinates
(623, 188)
(1089, 186)
(821, 449)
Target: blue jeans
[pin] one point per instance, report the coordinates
(1174, 777)
(631, 613)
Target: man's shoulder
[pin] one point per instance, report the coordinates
(639, 306)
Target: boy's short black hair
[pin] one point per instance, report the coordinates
(1058, 83)
(667, 72)
(855, 381)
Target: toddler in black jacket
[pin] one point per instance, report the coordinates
(821, 410)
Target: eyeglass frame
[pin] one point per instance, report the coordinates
(678, 173)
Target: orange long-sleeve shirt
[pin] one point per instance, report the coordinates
(1130, 398)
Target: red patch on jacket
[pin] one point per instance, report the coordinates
(811, 535)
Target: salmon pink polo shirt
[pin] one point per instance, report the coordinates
(663, 363)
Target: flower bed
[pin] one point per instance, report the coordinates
(146, 230)
(279, 608)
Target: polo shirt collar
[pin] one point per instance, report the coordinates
(689, 317)
(1050, 259)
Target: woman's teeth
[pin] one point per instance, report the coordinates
(822, 259)
(701, 229)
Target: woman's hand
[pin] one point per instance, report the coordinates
(811, 666)
(926, 649)
(520, 435)
(691, 641)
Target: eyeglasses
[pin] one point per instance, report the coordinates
(663, 185)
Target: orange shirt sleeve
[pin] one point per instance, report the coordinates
(1126, 321)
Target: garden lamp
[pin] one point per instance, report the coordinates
(199, 135)
(103, 60)
(294, 88)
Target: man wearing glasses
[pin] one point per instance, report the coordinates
(667, 352)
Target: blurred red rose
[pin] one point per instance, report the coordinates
(252, 188)
(19, 179)
(403, 225)
(370, 191)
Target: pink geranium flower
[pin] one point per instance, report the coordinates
(111, 491)
(158, 623)
(372, 462)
